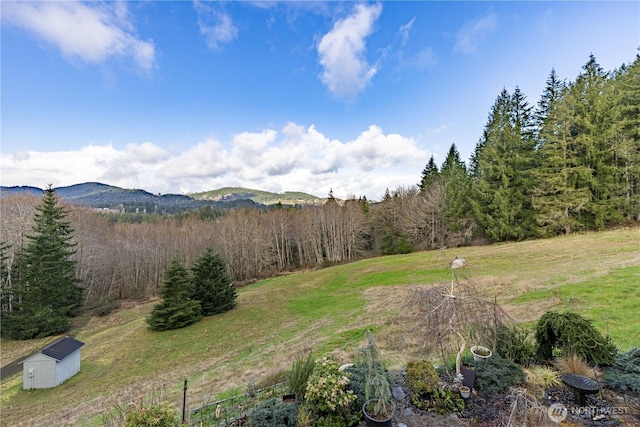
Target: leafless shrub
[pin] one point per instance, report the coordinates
(452, 313)
(525, 410)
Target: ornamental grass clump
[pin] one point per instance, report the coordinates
(328, 396)
(571, 363)
(540, 378)
(301, 370)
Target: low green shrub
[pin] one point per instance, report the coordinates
(515, 343)
(497, 374)
(574, 333)
(274, 413)
(357, 383)
(423, 381)
(422, 377)
(440, 400)
(161, 415)
(329, 398)
(106, 308)
(624, 374)
(466, 359)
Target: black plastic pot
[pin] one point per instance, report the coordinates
(468, 376)
(289, 398)
(373, 422)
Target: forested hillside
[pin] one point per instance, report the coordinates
(134, 205)
(569, 163)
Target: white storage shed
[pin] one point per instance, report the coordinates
(52, 365)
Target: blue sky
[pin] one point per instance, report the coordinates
(354, 97)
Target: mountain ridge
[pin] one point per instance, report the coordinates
(105, 196)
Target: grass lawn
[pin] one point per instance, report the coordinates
(325, 311)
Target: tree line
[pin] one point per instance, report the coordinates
(569, 163)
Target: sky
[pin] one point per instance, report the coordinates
(348, 97)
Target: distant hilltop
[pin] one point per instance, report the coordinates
(258, 196)
(103, 196)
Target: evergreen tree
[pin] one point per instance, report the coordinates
(560, 193)
(45, 292)
(501, 197)
(457, 185)
(594, 122)
(625, 142)
(525, 158)
(429, 175)
(522, 116)
(213, 286)
(550, 96)
(177, 308)
(5, 286)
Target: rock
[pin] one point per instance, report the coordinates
(398, 393)
(453, 418)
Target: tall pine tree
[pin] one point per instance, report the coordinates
(560, 191)
(177, 308)
(625, 141)
(5, 285)
(550, 96)
(213, 286)
(457, 186)
(501, 200)
(46, 291)
(429, 175)
(592, 129)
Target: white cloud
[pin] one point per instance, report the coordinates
(296, 158)
(146, 152)
(405, 30)
(473, 32)
(207, 159)
(215, 25)
(91, 32)
(346, 71)
(422, 60)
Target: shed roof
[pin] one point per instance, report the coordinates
(62, 348)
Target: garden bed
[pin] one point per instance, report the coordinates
(490, 410)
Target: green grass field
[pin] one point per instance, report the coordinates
(325, 311)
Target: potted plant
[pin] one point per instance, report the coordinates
(480, 353)
(465, 391)
(455, 313)
(378, 407)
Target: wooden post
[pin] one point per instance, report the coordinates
(184, 402)
(495, 324)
